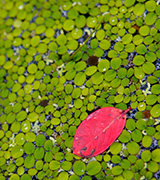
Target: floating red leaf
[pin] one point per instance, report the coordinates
(98, 131)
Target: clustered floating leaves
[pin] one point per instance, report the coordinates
(60, 61)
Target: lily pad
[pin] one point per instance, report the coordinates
(138, 72)
(79, 79)
(66, 165)
(79, 167)
(146, 155)
(155, 111)
(146, 141)
(117, 170)
(20, 139)
(125, 136)
(104, 44)
(139, 9)
(150, 18)
(33, 116)
(93, 168)
(133, 147)
(48, 145)
(153, 166)
(115, 63)
(40, 139)
(29, 161)
(125, 164)
(115, 148)
(39, 153)
(63, 175)
(136, 135)
(103, 65)
(110, 75)
(138, 60)
(29, 148)
(90, 70)
(148, 67)
(97, 78)
(156, 155)
(128, 174)
(17, 151)
(70, 74)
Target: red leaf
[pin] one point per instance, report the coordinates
(98, 131)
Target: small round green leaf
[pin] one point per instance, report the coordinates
(79, 167)
(93, 168)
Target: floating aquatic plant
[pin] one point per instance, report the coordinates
(62, 60)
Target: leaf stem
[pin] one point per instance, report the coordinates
(80, 47)
(127, 110)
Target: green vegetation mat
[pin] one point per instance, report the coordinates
(61, 60)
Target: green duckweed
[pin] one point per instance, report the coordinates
(62, 60)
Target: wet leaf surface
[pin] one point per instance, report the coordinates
(98, 131)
